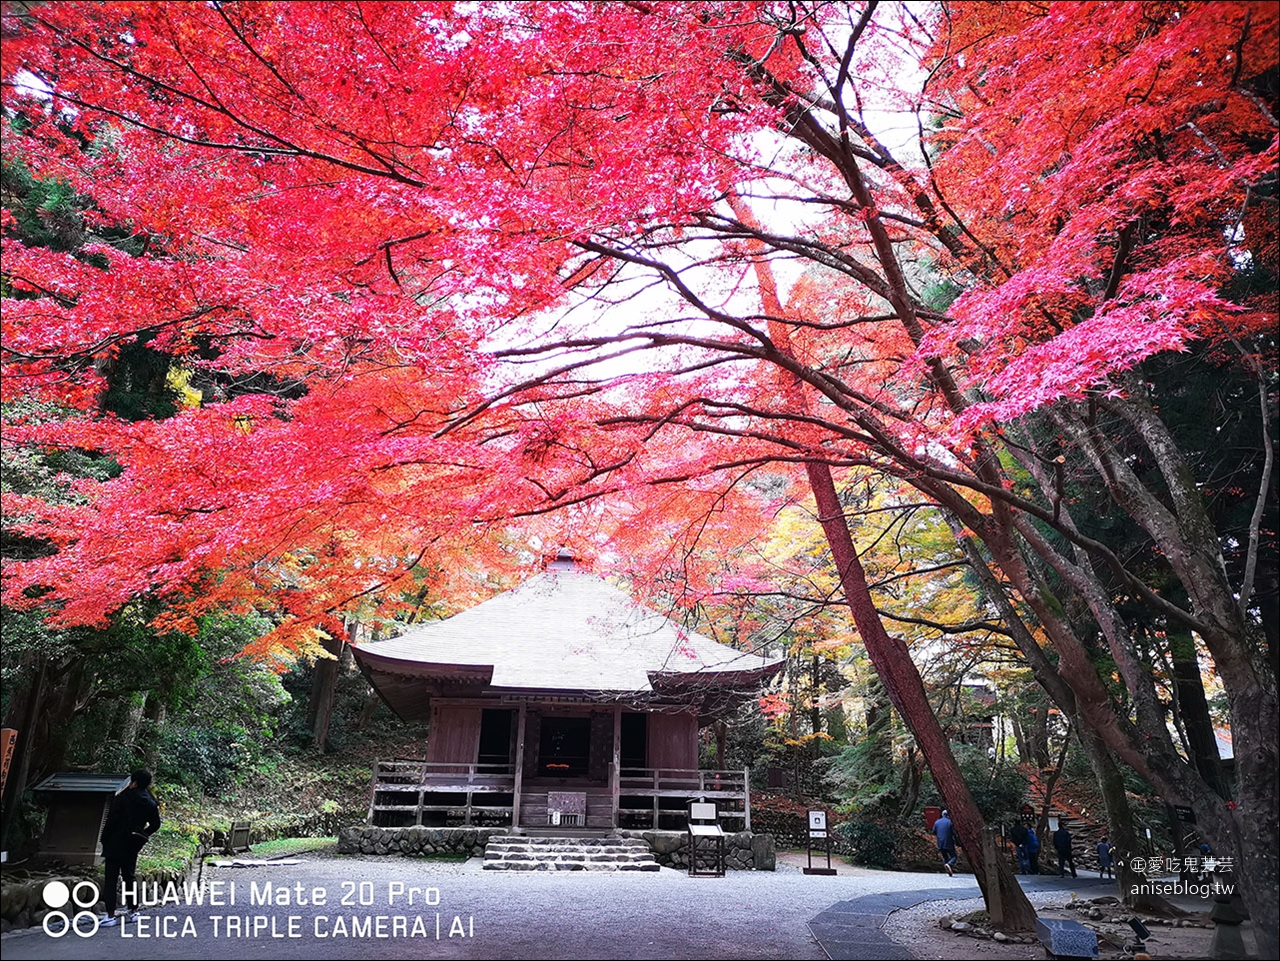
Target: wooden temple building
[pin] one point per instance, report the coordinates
(559, 706)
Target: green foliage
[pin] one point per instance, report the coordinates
(138, 386)
(203, 757)
(870, 842)
(998, 789)
(48, 213)
(863, 777)
(169, 851)
(939, 293)
(290, 846)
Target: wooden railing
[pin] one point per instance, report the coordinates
(731, 790)
(413, 792)
(406, 790)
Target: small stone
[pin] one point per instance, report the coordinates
(961, 926)
(1000, 936)
(1095, 914)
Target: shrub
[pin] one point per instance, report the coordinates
(200, 757)
(870, 843)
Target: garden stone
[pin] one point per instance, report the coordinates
(1066, 939)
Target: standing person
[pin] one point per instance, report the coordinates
(1105, 859)
(945, 832)
(133, 818)
(1018, 835)
(1033, 849)
(1062, 844)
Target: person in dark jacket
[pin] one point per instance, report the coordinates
(945, 832)
(1018, 835)
(1062, 844)
(133, 818)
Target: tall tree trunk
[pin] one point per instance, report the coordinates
(1040, 737)
(20, 765)
(1193, 708)
(815, 706)
(1115, 799)
(1020, 740)
(1121, 832)
(324, 684)
(721, 731)
(910, 786)
(155, 711)
(131, 721)
(906, 690)
(1042, 826)
(889, 655)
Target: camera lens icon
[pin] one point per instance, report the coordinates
(82, 895)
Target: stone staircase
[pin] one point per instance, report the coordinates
(519, 853)
(1087, 823)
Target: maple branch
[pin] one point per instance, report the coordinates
(1117, 265)
(673, 277)
(244, 41)
(942, 628)
(212, 104)
(1260, 505)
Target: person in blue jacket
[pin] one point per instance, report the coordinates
(1033, 849)
(945, 832)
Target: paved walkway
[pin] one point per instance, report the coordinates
(499, 915)
(855, 928)
(367, 913)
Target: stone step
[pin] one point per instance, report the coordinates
(568, 856)
(524, 853)
(538, 844)
(562, 845)
(606, 839)
(604, 866)
(636, 858)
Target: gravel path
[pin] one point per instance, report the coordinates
(917, 926)
(522, 915)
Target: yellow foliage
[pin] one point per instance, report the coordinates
(179, 380)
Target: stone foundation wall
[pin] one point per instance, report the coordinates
(364, 839)
(743, 851)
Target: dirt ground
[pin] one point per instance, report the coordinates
(799, 860)
(926, 930)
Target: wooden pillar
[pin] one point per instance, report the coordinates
(519, 770)
(615, 769)
(373, 791)
(995, 903)
(746, 797)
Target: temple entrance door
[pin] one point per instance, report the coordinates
(564, 747)
(495, 740)
(635, 740)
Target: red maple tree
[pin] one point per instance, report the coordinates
(353, 197)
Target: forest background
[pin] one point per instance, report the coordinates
(322, 320)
